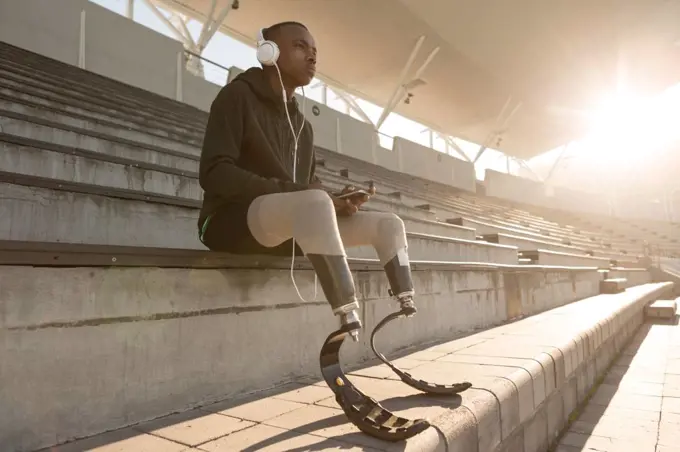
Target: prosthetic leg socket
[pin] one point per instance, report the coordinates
(401, 283)
(337, 284)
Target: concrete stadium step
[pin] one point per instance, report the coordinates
(49, 69)
(484, 228)
(117, 166)
(62, 163)
(613, 285)
(112, 98)
(529, 376)
(437, 206)
(108, 216)
(91, 99)
(31, 94)
(634, 275)
(547, 257)
(22, 110)
(524, 243)
(446, 249)
(59, 134)
(43, 159)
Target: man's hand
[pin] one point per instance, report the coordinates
(316, 185)
(349, 206)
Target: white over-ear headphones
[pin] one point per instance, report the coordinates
(267, 51)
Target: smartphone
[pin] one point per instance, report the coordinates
(353, 194)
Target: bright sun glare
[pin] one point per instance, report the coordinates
(631, 127)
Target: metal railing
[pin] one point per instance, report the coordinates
(207, 69)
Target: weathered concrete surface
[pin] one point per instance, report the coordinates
(524, 243)
(547, 257)
(62, 166)
(123, 345)
(33, 214)
(97, 127)
(96, 143)
(637, 406)
(15, 85)
(528, 377)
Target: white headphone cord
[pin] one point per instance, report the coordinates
(295, 147)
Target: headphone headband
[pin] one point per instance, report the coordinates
(267, 51)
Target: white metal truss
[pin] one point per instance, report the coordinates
(452, 142)
(177, 24)
(557, 161)
(157, 12)
(403, 84)
(525, 165)
(500, 127)
(354, 105)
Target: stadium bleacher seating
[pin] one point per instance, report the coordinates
(103, 273)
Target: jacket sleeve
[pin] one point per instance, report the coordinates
(218, 171)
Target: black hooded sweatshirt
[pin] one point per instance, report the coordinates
(248, 146)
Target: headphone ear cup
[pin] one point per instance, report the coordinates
(267, 53)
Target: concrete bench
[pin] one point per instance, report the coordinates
(106, 216)
(549, 257)
(175, 320)
(528, 377)
(524, 243)
(613, 285)
(666, 309)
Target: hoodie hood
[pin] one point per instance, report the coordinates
(256, 79)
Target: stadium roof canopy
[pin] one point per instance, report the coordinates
(514, 69)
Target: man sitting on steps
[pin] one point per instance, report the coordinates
(261, 193)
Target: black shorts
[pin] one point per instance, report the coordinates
(228, 232)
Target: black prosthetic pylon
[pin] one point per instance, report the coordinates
(401, 283)
(363, 411)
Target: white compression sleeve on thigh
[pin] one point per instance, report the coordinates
(384, 231)
(308, 216)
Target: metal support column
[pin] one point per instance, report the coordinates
(81, 42)
(179, 80)
(130, 10)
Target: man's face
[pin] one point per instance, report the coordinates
(297, 59)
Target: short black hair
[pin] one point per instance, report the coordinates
(271, 32)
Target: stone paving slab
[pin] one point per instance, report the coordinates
(527, 378)
(637, 407)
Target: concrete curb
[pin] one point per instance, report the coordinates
(532, 403)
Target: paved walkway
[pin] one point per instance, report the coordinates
(637, 406)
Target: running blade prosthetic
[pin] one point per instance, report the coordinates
(364, 412)
(408, 310)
